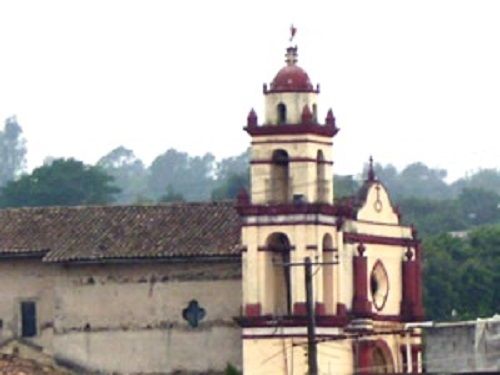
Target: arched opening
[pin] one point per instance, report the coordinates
(315, 112)
(322, 183)
(381, 358)
(280, 185)
(281, 113)
(328, 279)
(281, 294)
(379, 285)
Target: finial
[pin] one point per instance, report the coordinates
(307, 116)
(371, 172)
(409, 254)
(252, 118)
(361, 249)
(330, 118)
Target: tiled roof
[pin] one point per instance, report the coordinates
(13, 365)
(99, 233)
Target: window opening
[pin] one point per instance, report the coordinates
(280, 183)
(193, 313)
(282, 114)
(28, 319)
(279, 245)
(379, 285)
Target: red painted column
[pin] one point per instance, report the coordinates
(253, 309)
(361, 307)
(409, 287)
(418, 310)
(363, 352)
(415, 350)
(404, 358)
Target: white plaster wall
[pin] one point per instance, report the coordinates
(128, 318)
(294, 102)
(25, 279)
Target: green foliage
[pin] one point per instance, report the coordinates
(432, 216)
(12, 151)
(231, 370)
(229, 188)
(234, 165)
(128, 172)
(232, 175)
(471, 208)
(171, 196)
(345, 186)
(462, 274)
(192, 175)
(416, 180)
(65, 182)
(486, 179)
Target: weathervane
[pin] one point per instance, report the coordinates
(293, 30)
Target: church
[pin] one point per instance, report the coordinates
(284, 279)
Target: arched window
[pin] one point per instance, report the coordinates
(280, 290)
(281, 113)
(328, 279)
(322, 183)
(315, 112)
(280, 185)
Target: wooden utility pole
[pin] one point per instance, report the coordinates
(311, 322)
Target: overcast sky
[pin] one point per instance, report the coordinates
(407, 81)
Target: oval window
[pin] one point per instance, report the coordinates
(379, 285)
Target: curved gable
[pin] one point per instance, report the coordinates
(376, 205)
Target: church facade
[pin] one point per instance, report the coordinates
(190, 288)
(366, 284)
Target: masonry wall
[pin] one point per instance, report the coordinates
(27, 280)
(463, 346)
(129, 318)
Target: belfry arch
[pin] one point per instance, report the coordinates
(279, 186)
(282, 113)
(279, 247)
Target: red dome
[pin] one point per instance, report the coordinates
(291, 78)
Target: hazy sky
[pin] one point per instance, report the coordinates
(407, 81)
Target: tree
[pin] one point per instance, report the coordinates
(432, 216)
(234, 165)
(171, 196)
(231, 186)
(440, 279)
(479, 206)
(128, 171)
(486, 179)
(12, 151)
(345, 186)
(191, 175)
(462, 274)
(65, 182)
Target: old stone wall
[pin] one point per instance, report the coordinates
(128, 318)
(467, 347)
(450, 348)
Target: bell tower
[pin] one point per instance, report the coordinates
(366, 297)
(287, 216)
(291, 151)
